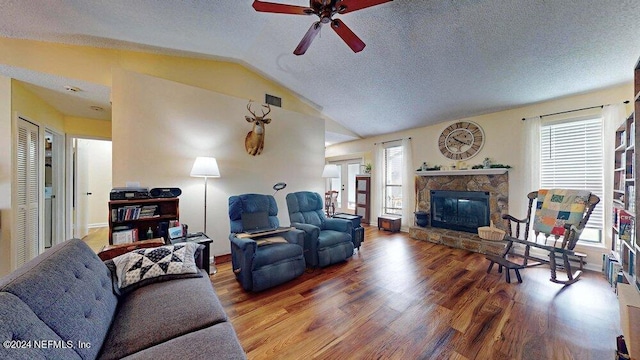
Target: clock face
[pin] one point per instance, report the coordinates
(461, 140)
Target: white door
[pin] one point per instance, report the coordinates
(28, 234)
(91, 183)
(81, 172)
(345, 184)
(53, 188)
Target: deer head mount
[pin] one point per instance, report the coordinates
(254, 142)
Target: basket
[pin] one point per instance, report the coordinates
(490, 233)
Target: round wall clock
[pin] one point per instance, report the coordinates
(461, 140)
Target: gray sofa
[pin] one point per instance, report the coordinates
(61, 305)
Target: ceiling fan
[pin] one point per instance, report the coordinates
(324, 9)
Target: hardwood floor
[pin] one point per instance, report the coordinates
(97, 238)
(399, 298)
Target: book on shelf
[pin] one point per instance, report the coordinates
(124, 236)
(148, 211)
(626, 223)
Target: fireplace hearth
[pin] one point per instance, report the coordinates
(460, 210)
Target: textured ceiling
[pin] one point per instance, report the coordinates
(425, 61)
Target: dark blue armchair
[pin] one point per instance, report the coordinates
(259, 266)
(326, 240)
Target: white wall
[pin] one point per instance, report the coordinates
(160, 127)
(99, 180)
(504, 132)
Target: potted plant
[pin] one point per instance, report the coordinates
(367, 168)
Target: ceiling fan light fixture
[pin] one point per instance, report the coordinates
(324, 10)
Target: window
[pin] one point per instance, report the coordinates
(393, 180)
(571, 157)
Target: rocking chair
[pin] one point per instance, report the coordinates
(558, 214)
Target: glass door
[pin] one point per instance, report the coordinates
(346, 184)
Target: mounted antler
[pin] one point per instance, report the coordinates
(254, 142)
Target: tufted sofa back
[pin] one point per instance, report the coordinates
(65, 293)
(251, 203)
(306, 207)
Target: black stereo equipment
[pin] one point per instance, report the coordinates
(129, 193)
(165, 192)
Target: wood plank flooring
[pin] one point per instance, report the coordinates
(399, 298)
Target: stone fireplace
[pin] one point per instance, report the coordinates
(494, 182)
(460, 210)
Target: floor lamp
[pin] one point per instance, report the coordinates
(205, 167)
(331, 171)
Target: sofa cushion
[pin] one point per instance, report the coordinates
(215, 342)
(159, 312)
(69, 288)
(144, 266)
(18, 322)
(271, 254)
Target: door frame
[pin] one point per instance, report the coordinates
(344, 188)
(70, 176)
(58, 154)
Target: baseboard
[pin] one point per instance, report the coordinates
(98, 225)
(221, 259)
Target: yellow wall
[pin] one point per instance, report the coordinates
(26, 104)
(95, 65)
(91, 128)
(31, 107)
(6, 166)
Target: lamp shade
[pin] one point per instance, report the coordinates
(205, 167)
(330, 171)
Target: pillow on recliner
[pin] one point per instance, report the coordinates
(141, 267)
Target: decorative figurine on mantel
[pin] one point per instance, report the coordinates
(486, 163)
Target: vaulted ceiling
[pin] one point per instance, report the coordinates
(424, 62)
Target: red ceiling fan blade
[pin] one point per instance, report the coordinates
(270, 7)
(308, 38)
(346, 6)
(352, 40)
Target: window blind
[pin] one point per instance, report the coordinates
(571, 157)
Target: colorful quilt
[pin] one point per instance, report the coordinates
(557, 207)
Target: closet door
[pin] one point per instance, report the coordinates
(28, 192)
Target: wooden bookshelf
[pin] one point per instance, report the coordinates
(363, 197)
(122, 215)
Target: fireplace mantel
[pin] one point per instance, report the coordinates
(494, 171)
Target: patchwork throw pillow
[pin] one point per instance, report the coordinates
(142, 266)
(557, 207)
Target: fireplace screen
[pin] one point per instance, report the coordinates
(460, 210)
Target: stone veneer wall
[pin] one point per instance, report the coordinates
(496, 185)
(457, 239)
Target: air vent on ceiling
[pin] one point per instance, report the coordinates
(273, 100)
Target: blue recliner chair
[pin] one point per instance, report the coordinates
(326, 240)
(261, 266)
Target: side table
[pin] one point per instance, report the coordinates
(203, 239)
(357, 234)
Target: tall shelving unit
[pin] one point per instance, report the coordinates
(625, 248)
(623, 244)
(363, 197)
